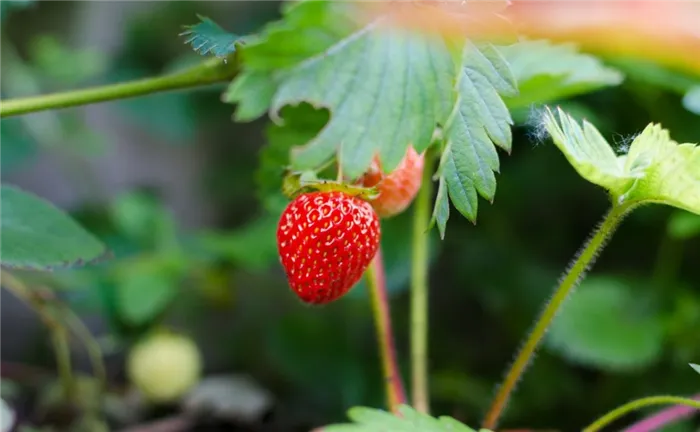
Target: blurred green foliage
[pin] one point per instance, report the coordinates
(630, 330)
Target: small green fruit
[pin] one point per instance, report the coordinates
(164, 366)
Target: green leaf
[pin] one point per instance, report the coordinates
(145, 287)
(547, 72)
(479, 122)
(253, 92)
(375, 420)
(386, 88)
(307, 28)
(683, 225)
(605, 324)
(696, 367)
(38, 236)
(301, 123)
(207, 37)
(691, 100)
(656, 169)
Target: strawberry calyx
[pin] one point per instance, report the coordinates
(296, 183)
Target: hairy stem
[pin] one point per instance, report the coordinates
(380, 307)
(572, 278)
(637, 404)
(208, 72)
(663, 418)
(419, 292)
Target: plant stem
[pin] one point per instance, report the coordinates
(663, 418)
(91, 346)
(208, 72)
(577, 271)
(419, 292)
(59, 335)
(382, 318)
(640, 403)
(59, 338)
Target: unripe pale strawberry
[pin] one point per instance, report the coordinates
(326, 240)
(164, 366)
(397, 189)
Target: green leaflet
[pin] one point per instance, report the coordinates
(308, 28)
(479, 121)
(38, 236)
(252, 91)
(656, 169)
(207, 37)
(374, 420)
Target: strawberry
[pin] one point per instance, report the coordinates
(398, 189)
(326, 240)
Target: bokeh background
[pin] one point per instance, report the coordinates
(168, 182)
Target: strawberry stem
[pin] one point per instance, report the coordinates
(419, 291)
(640, 403)
(664, 418)
(573, 277)
(380, 307)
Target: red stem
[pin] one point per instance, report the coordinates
(376, 279)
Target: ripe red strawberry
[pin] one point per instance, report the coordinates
(398, 189)
(326, 241)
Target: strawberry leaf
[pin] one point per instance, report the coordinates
(695, 367)
(547, 72)
(478, 123)
(253, 92)
(38, 236)
(308, 28)
(207, 37)
(374, 420)
(386, 88)
(655, 170)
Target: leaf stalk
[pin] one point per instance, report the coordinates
(573, 277)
